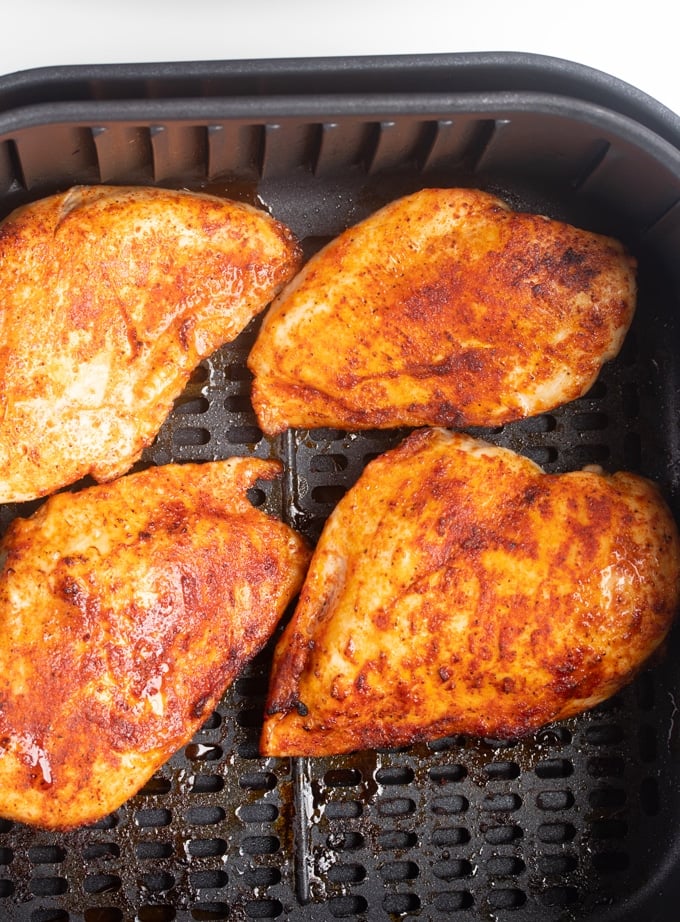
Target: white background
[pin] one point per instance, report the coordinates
(636, 42)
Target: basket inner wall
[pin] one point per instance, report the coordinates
(572, 822)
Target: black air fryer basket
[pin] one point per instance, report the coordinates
(582, 820)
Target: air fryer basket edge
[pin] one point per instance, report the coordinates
(580, 822)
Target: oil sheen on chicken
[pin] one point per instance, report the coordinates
(125, 612)
(444, 308)
(109, 298)
(457, 588)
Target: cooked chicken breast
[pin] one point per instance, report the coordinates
(445, 308)
(457, 588)
(125, 612)
(109, 298)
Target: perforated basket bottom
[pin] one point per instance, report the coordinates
(552, 827)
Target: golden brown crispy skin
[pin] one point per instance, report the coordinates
(109, 298)
(125, 612)
(457, 588)
(443, 308)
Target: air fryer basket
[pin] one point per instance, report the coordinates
(579, 821)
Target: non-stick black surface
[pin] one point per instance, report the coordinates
(576, 822)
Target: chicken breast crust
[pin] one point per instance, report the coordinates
(125, 612)
(457, 588)
(109, 298)
(444, 308)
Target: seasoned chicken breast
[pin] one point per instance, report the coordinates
(457, 588)
(445, 308)
(125, 612)
(109, 297)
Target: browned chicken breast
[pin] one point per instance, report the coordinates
(444, 308)
(457, 588)
(109, 297)
(125, 611)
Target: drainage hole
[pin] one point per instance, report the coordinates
(450, 835)
(244, 435)
(446, 774)
(343, 809)
(394, 775)
(396, 806)
(258, 781)
(557, 865)
(190, 435)
(604, 734)
(328, 464)
(452, 869)
(543, 455)
(393, 839)
(156, 785)
(501, 803)
(503, 835)
(456, 803)
(45, 854)
(328, 494)
(206, 848)
(206, 784)
(156, 913)
(205, 815)
(342, 907)
(256, 496)
(237, 371)
(346, 873)
(505, 866)
(260, 845)
(348, 840)
(453, 901)
(399, 904)
(259, 877)
(589, 422)
(581, 455)
(158, 881)
(544, 423)
(326, 435)
(191, 405)
(399, 870)
(556, 833)
(102, 883)
(101, 850)
(208, 912)
(208, 879)
(153, 851)
(502, 771)
(342, 777)
(264, 909)
(257, 813)
(555, 800)
(238, 403)
(507, 898)
(554, 768)
(153, 817)
(99, 914)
